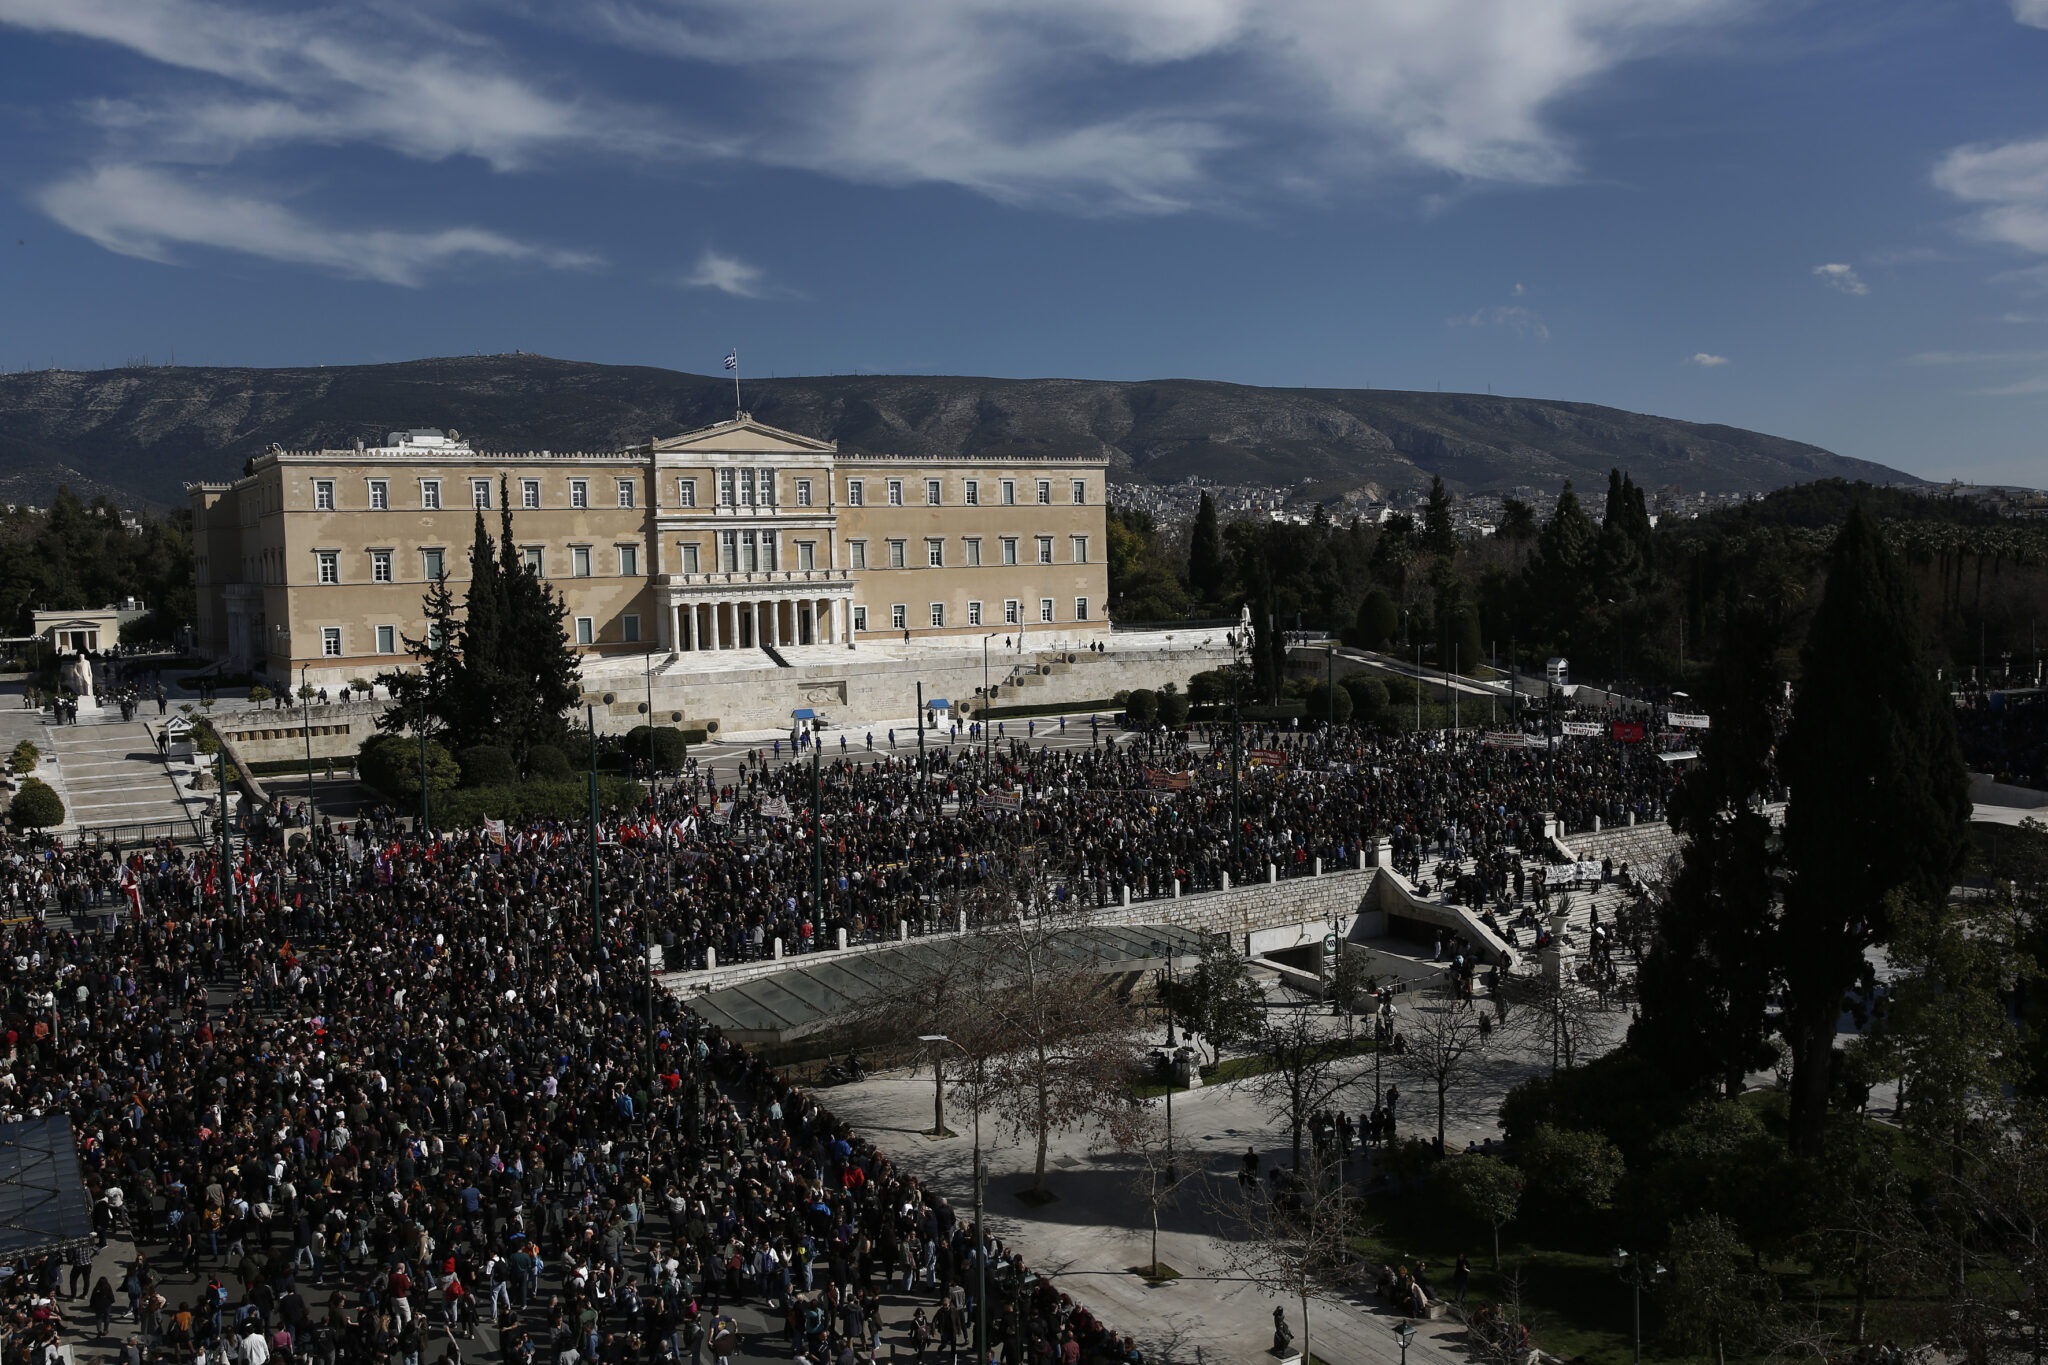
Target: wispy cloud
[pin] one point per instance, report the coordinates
(1515, 318)
(1706, 360)
(1841, 277)
(2033, 13)
(142, 211)
(2009, 184)
(728, 275)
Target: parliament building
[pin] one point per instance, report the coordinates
(738, 536)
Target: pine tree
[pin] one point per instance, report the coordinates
(1561, 572)
(1439, 536)
(1880, 804)
(1706, 982)
(1206, 564)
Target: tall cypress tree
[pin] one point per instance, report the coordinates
(1706, 983)
(1439, 536)
(1206, 565)
(1880, 803)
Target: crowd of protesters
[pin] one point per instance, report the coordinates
(378, 1106)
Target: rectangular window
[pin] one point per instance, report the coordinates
(433, 565)
(803, 492)
(895, 554)
(1045, 610)
(933, 488)
(629, 561)
(380, 566)
(807, 554)
(935, 554)
(529, 494)
(727, 482)
(330, 642)
(854, 493)
(686, 492)
(895, 492)
(579, 493)
(1009, 551)
(860, 618)
(1080, 492)
(1011, 616)
(1079, 545)
(626, 493)
(728, 551)
(767, 481)
(768, 539)
(330, 565)
(974, 552)
(629, 628)
(690, 557)
(1080, 609)
(380, 495)
(323, 495)
(1045, 549)
(387, 639)
(938, 615)
(746, 488)
(480, 493)
(974, 492)
(1044, 492)
(579, 561)
(436, 637)
(897, 617)
(430, 495)
(586, 630)
(534, 557)
(1009, 492)
(747, 551)
(857, 554)
(974, 613)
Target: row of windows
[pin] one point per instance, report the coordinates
(625, 492)
(1008, 547)
(434, 563)
(736, 488)
(738, 552)
(388, 639)
(1013, 614)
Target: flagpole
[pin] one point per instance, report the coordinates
(736, 408)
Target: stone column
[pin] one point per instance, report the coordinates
(775, 623)
(715, 608)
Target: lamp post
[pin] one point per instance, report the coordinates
(1404, 1334)
(984, 698)
(1172, 1163)
(306, 721)
(1635, 1275)
(980, 1246)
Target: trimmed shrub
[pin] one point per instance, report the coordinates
(1142, 706)
(391, 764)
(36, 806)
(1327, 703)
(487, 765)
(26, 756)
(1369, 698)
(1173, 710)
(671, 746)
(518, 803)
(546, 763)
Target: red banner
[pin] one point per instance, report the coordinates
(1628, 731)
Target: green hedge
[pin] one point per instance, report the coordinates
(533, 801)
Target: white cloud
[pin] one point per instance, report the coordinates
(1141, 105)
(1841, 277)
(144, 211)
(1515, 318)
(728, 275)
(2009, 183)
(1517, 292)
(1706, 361)
(2033, 13)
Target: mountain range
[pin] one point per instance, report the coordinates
(140, 434)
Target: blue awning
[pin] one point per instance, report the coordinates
(939, 704)
(803, 713)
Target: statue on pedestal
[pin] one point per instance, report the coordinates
(1283, 1335)
(75, 674)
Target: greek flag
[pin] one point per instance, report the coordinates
(732, 360)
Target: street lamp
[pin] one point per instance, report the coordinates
(1404, 1334)
(1635, 1275)
(1172, 1164)
(984, 698)
(980, 1246)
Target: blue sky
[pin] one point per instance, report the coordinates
(1823, 220)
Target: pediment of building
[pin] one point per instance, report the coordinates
(742, 435)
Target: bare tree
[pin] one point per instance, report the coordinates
(1560, 1015)
(1159, 1175)
(1291, 1239)
(1444, 1040)
(1060, 1046)
(1305, 1072)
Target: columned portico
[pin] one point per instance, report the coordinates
(721, 611)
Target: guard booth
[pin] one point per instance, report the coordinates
(178, 738)
(1557, 672)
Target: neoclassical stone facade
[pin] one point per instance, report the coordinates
(739, 536)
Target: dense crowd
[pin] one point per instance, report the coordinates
(903, 836)
(2005, 735)
(436, 1099)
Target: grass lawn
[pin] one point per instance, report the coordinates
(1241, 1068)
